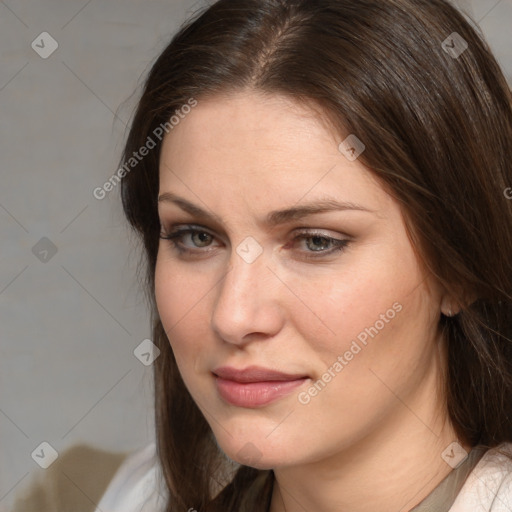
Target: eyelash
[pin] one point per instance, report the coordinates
(175, 236)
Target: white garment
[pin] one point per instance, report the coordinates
(137, 485)
(488, 488)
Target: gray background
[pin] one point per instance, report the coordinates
(69, 324)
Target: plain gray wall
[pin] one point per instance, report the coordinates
(69, 325)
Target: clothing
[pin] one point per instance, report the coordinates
(445, 493)
(137, 485)
(482, 483)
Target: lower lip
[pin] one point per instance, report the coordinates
(255, 394)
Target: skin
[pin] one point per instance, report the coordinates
(372, 438)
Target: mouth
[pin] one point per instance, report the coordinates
(254, 386)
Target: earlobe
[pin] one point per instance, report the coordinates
(447, 311)
(450, 307)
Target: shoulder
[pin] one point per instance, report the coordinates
(137, 485)
(488, 488)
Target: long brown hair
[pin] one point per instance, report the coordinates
(436, 120)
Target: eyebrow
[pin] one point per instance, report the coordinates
(273, 218)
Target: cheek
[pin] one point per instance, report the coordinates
(369, 310)
(182, 302)
(345, 306)
(384, 335)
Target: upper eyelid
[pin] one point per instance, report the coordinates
(184, 226)
(302, 230)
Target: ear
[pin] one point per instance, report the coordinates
(447, 306)
(451, 307)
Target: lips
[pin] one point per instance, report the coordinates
(254, 386)
(254, 374)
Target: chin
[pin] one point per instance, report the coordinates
(250, 455)
(254, 451)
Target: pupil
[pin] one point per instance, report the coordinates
(203, 237)
(319, 242)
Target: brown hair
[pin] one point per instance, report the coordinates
(437, 127)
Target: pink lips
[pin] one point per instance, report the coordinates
(254, 386)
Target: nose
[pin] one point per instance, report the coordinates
(247, 306)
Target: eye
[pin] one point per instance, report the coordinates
(196, 241)
(320, 243)
(199, 238)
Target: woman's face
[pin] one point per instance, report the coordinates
(298, 263)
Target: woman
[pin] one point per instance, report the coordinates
(321, 192)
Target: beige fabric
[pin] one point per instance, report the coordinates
(442, 497)
(75, 482)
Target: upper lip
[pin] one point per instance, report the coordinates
(254, 374)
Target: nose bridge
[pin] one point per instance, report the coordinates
(242, 283)
(244, 303)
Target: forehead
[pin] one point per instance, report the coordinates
(247, 122)
(252, 145)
